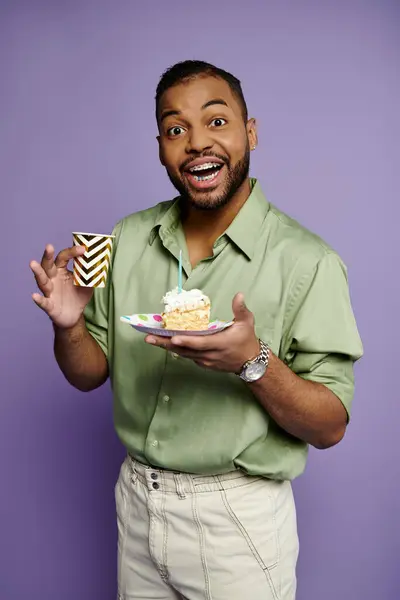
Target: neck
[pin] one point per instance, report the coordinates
(205, 226)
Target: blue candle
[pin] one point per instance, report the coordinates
(180, 272)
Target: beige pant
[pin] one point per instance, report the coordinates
(226, 537)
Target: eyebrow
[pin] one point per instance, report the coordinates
(172, 112)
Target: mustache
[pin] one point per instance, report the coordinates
(203, 155)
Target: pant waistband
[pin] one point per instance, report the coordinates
(184, 483)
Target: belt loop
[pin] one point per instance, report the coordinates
(133, 471)
(134, 475)
(218, 481)
(179, 487)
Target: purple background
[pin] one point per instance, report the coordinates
(78, 151)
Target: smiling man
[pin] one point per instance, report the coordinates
(215, 427)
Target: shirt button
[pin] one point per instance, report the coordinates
(166, 398)
(154, 476)
(155, 486)
(155, 443)
(174, 355)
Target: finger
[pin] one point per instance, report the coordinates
(167, 344)
(206, 364)
(198, 357)
(160, 341)
(68, 254)
(198, 343)
(187, 353)
(240, 310)
(47, 261)
(43, 303)
(42, 279)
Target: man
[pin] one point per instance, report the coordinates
(204, 500)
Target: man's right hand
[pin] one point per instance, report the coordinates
(63, 302)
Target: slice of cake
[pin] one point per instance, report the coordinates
(187, 310)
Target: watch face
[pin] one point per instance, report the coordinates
(255, 371)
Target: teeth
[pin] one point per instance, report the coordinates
(204, 166)
(205, 177)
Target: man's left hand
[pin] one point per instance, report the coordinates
(227, 350)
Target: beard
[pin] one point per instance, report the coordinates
(214, 199)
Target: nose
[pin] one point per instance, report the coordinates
(199, 140)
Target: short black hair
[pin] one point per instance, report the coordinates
(190, 69)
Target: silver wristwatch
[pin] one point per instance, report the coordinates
(254, 369)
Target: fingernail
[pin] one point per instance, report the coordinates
(150, 340)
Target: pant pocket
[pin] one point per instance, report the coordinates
(120, 493)
(251, 508)
(123, 489)
(127, 478)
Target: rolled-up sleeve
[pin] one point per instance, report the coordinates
(324, 342)
(96, 317)
(96, 313)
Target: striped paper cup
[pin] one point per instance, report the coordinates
(91, 269)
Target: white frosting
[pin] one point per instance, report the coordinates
(185, 300)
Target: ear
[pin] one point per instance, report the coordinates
(160, 152)
(251, 129)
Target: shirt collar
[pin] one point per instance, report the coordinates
(167, 220)
(243, 231)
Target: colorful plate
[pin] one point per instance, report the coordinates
(151, 323)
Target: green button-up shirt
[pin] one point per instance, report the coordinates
(171, 413)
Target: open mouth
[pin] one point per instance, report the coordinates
(205, 172)
(205, 175)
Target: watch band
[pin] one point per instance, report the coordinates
(264, 353)
(262, 358)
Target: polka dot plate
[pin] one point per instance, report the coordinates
(152, 323)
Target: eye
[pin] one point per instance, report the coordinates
(218, 122)
(174, 131)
